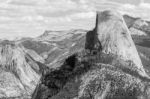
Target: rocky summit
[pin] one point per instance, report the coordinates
(77, 64)
(115, 38)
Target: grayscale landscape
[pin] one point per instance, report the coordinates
(67, 49)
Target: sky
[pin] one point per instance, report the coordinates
(30, 18)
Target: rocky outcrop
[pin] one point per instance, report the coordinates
(19, 72)
(115, 38)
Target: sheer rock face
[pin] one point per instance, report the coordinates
(109, 81)
(115, 38)
(17, 77)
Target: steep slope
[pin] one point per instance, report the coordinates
(19, 72)
(104, 68)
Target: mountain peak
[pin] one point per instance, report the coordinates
(106, 15)
(16, 65)
(115, 38)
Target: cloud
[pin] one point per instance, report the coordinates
(144, 5)
(28, 16)
(33, 18)
(128, 6)
(140, 10)
(44, 10)
(83, 15)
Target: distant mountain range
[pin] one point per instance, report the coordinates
(138, 24)
(112, 61)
